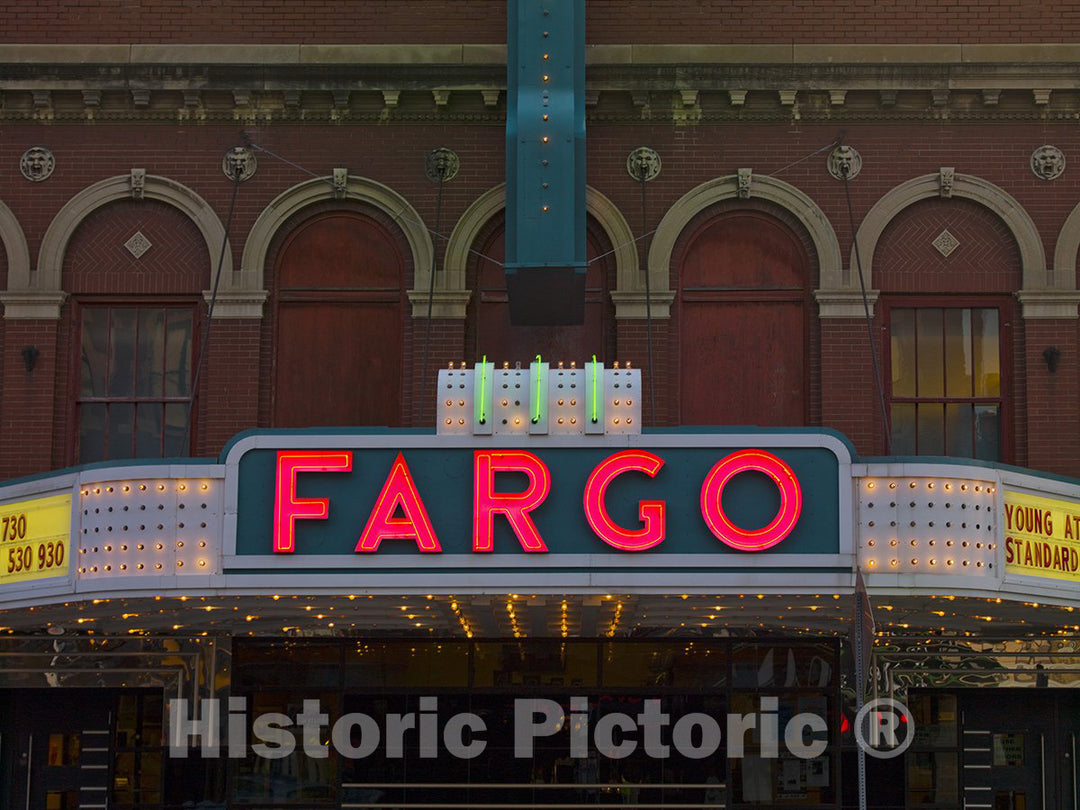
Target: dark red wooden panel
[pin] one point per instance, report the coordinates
(340, 249)
(742, 311)
(338, 350)
(337, 364)
(743, 363)
(744, 250)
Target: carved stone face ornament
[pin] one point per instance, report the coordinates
(643, 162)
(844, 162)
(239, 162)
(1048, 162)
(37, 164)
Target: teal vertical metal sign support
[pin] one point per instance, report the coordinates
(545, 161)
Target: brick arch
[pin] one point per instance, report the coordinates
(744, 270)
(96, 260)
(292, 334)
(784, 195)
(60, 231)
(17, 266)
(1066, 249)
(252, 276)
(1037, 278)
(782, 215)
(986, 259)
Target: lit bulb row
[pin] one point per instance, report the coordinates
(564, 624)
(182, 487)
(894, 558)
(615, 617)
(515, 628)
(130, 558)
(947, 486)
(456, 610)
(545, 78)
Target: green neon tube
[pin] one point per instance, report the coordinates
(483, 387)
(595, 401)
(536, 416)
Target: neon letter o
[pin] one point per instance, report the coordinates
(712, 507)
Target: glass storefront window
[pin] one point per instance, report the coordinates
(688, 664)
(538, 663)
(935, 720)
(394, 665)
(933, 778)
(768, 665)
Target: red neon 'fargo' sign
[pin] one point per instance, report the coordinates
(399, 496)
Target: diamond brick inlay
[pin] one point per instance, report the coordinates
(138, 244)
(946, 243)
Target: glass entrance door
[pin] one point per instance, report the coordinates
(56, 743)
(1017, 749)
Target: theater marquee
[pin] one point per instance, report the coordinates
(374, 501)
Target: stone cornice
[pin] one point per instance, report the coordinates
(448, 304)
(25, 304)
(245, 304)
(684, 84)
(1049, 304)
(631, 305)
(845, 303)
(495, 53)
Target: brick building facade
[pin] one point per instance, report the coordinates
(712, 88)
(857, 236)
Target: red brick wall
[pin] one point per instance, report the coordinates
(1053, 421)
(26, 409)
(607, 21)
(96, 261)
(987, 259)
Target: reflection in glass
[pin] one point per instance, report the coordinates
(122, 352)
(958, 427)
(933, 778)
(987, 354)
(95, 339)
(903, 429)
(943, 361)
(987, 432)
(151, 353)
(134, 359)
(903, 353)
(931, 429)
(958, 360)
(931, 353)
(120, 426)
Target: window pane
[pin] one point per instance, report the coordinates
(148, 430)
(903, 352)
(95, 339)
(987, 353)
(931, 416)
(958, 429)
(148, 366)
(175, 426)
(903, 429)
(121, 422)
(933, 778)
(958, 360)
(178, 354)
(91, 432)
(122, 353)
(987, 433)
(931, 372)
